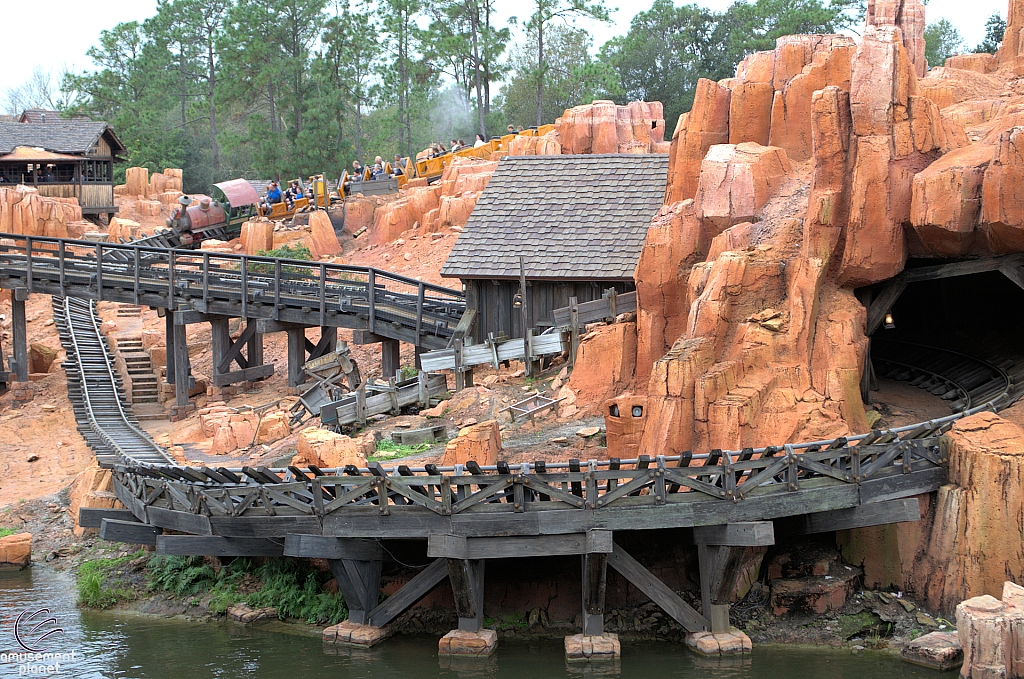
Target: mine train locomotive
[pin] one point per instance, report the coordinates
(233, 203)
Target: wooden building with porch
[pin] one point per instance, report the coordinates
(64, 159)
(579, 224)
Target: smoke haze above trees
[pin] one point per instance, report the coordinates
(283, 88)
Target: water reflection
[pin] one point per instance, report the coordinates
(111, 646)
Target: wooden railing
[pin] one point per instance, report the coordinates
(575, 485)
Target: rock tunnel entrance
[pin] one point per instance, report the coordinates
(944, 337)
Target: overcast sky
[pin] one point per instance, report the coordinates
(70, 27)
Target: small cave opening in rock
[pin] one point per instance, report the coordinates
(946, 344)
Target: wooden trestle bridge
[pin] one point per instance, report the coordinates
(469, 513)
(272, 295)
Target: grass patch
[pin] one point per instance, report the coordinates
(389, 450)
(283, 252)
(4, 532)
(99, 585)
(294, 588)
(297, 591)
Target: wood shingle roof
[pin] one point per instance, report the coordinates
(571, 218)
(66, 136)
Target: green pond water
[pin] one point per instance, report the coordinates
(107, 645)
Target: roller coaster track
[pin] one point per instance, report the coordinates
(104, 417)
(964, 381)
(279, 290)
(835, 473)
(688, 489)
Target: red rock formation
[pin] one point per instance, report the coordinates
(948, 86)
(750, 112)
(24, 211)
(1011, 52)
(329, 450)
(257, 237)
(947, 202)
(991, 634)
(969, 539)
(675, 242)
(736, 182)
(448, 202)
(1002, 200)
(605, 364)
(705, 125)
(137, 182)
(478, 442)
(896, 135)
(909, 17)
(93, 488)
(603, 127)
(980, 63)
(827, 61)
(323, 242)
(546, 145)
(16, 550)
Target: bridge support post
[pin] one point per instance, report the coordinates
(254, 346)
(220, 343)
(595, 579)
(359, 582)
(467, 578)
(593, 643)
(182, 367)
(296, 356)
(19, 332)
(390, 358)
(169, 343)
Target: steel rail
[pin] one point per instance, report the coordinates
(115, 429)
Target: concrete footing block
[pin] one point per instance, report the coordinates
(457, 642)
(350, 634)
(733, 642)
(581, 647)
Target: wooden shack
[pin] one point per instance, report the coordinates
(63, 158)
(578, 222)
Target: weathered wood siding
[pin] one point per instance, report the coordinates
(96, 195)
(102, 149)
(91, 196)
(495, 299)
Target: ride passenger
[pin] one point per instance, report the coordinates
(273, 195)
(479, 141)
(511, 129)
(292, 194)
(377, 172)
(357, 171)
(398, 167)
